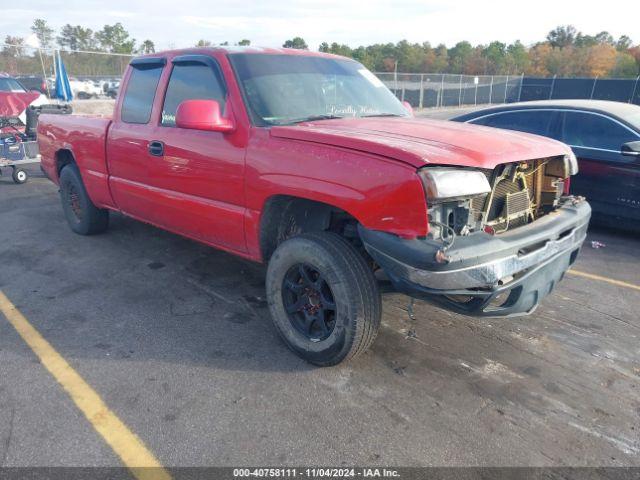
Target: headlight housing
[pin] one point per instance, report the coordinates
(446, 184)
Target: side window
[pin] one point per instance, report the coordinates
(191, 81)
(581, 129)
(141, 90)
(530, 121)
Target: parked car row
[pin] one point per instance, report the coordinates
(605, 138)
(82, 88)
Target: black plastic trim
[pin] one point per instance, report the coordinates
(148, 61)
(196, 58)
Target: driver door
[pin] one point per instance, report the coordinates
(200, 173)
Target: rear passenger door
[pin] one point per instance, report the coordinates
(609, 180)
(128, 138)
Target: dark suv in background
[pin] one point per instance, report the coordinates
(604, 136)
(34, 82)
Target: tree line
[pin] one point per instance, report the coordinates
(565, 52)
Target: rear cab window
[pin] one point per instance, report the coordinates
(193, 77)
(141, 90)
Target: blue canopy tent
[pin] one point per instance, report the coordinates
(63, 88)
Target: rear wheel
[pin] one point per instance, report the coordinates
(82, 215)
(20, 176)
(323, 298)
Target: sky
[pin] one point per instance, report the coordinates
(173, 24)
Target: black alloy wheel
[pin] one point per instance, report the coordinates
(309, 302)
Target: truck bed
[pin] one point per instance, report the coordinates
(84, 136)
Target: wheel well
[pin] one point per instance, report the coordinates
(64, 157)
(285, 216)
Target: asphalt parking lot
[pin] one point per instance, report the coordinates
(176, 339)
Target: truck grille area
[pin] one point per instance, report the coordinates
(520, 193)
(516, 194)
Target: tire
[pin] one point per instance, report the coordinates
(82, 215)
(341, 279)
(20, 176)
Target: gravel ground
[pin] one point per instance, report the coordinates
(93, 106)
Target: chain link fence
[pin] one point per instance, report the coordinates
(425, 90)
(614, 89)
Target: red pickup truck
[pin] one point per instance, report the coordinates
(307, 162)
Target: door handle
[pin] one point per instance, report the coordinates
(156, 148)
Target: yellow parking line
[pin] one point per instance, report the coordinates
(612, 281)
(126, 444)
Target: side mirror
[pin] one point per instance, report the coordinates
(203, 115)
(631, 149)
(408, 107)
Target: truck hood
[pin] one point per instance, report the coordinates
(419, 142)
(12, 104)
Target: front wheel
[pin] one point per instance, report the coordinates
(323, 298)
(82, 215)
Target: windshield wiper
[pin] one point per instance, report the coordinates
(325, 116)
(382, 115)
(330, 116)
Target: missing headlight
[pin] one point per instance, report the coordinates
(450, 219)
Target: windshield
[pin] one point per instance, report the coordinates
(286, 89)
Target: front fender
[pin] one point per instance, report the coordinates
(382, 194)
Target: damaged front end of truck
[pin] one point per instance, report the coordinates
(499, 239)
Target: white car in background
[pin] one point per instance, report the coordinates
(84, 89)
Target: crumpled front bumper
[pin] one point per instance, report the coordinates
(487, 275)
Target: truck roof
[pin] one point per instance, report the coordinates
(230, 49)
